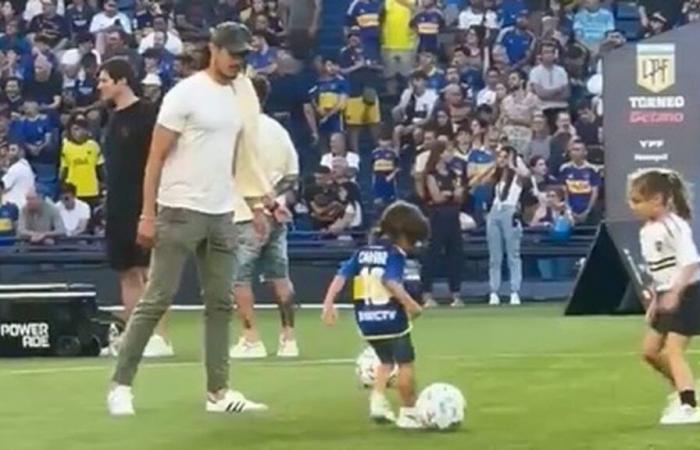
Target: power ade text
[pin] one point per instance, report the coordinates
(33, 334)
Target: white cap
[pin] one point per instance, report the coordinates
(152, 80)
(71, 57)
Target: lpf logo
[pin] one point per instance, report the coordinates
(32, 334)
(656, 66)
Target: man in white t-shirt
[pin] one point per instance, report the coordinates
(110, 18)
(476, 14)
(19, 178)
(551, 84)
(75, 213)
(268, 257)
(415, 108)
(338, 149)
(206, 122)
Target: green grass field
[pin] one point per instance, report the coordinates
(533, 380)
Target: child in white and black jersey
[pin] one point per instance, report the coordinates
(659, 197)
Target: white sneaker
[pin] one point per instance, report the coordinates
(120, 401)
(234, 402)
(288, 348)
(457, 303)
(408, 419)
(515, 299)
(157, 347)
(380, 409)
(494, 299)
(430, 303)
(680, 415)
(248, 350)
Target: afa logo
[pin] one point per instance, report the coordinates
(656, 66)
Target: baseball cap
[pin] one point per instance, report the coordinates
(232, 36)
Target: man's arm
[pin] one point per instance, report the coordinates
(23, 231)
(58, 229)
(162, 142)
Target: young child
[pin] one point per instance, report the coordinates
(660, 199)
(385, 166)
(383, 307)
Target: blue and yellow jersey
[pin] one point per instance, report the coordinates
(384, 161)
(428, 25)
(378, 315)
(579, 182)
(328, 91)
(365, 14)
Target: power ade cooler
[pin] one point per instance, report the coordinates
(51, 320)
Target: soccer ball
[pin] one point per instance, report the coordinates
(366, 366)
(441, 406)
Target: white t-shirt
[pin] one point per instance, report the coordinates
(553, 78)
(101, 22)
(34, 7)
(486, 96)
(198, 172)
(352, 158)
(279, 155)
(469, 18)
(71, 218)
(424, 104)
(667, 247)
(18, 181)
(173, 44)
(512, 197)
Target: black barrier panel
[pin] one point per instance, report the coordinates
(652, 119)
(611, 279)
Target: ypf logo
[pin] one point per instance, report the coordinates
(656, 66)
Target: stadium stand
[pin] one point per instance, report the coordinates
(326, 75)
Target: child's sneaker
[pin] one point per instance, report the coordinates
(158, 347)
(680, 415)
(233, 402)
(120, 401)
(248, 350)
(457, 302)
(408, 419)
(494, 299)
(380, 409)
(429, 302)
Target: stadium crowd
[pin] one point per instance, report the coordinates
(416, 103)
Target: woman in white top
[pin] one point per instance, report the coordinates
(508, 176)
(660, 199)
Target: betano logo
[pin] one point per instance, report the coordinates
(656, 66)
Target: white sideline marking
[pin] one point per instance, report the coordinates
(332, 361)
(165, 365)
(119, 308)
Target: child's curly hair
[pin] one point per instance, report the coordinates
(404, 219)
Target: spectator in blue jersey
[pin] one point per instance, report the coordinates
(9, 214)
(591, 23)
(365, 78)
(14, 40)
(582, 182)
(79, 15)
(509, 11)
(35, 130)
(365, 14)
(518, 41)
(479, 160)
(263, 58)
(86, 96)
(470, 75)
(159, 61)
(53, 27)
(428, 23)
(435, 77)
(328, 99)
(385, 167)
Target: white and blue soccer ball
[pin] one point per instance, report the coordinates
(441, 406)
(366, 368)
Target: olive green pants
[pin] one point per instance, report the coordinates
(181, 233)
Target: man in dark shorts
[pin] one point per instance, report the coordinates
(127, 141)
